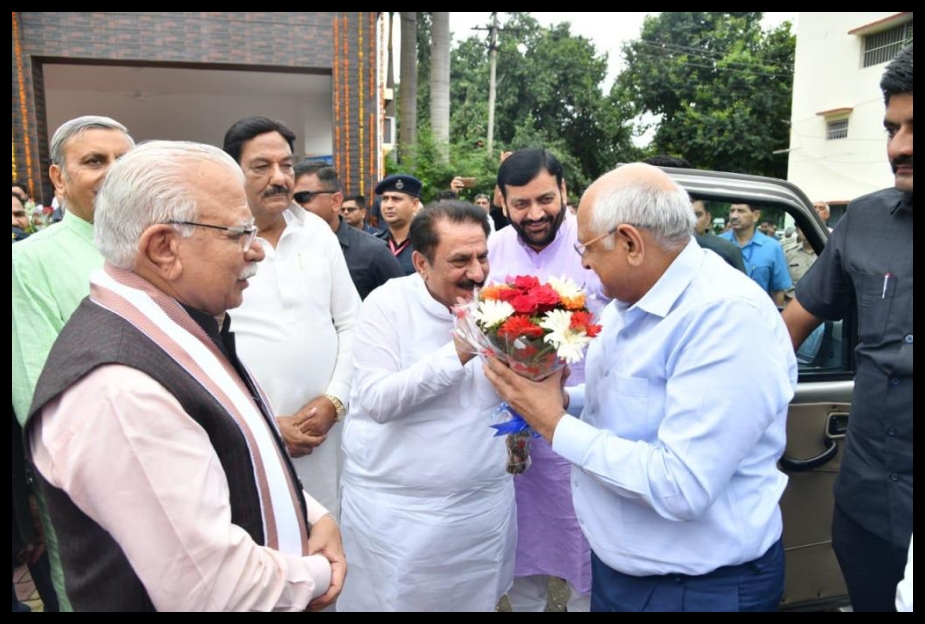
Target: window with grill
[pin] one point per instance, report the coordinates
(836, 129)
(883, 46)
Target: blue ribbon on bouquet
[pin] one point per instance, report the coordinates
(515, 424)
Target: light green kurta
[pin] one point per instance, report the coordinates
(51, 275)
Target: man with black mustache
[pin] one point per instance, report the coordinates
(541, 242)
(295, 326)
(399, 195)
(428, 507)
(867, 265)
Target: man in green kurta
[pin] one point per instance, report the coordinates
(51, 269)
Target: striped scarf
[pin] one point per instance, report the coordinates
(167, 324)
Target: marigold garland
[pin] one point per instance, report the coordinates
(372, 94)
(361, 59)
(336, 86)
(346, 81)
(23, 110)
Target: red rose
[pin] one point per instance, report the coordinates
(525, 304)
(545, 296)
(526, 282)
(507, 294)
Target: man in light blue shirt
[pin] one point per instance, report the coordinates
(682, 414)
(763, 256)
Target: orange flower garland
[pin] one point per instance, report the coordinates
(27, 147)
(336, 85)
(361, 58)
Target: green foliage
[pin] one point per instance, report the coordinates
(425, 21)
(720, 86)
(425, 164)
(549, 93)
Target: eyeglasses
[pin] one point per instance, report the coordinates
(582, 248)
(244, 233)
(349, 209)
(303, 197)
(19, 214)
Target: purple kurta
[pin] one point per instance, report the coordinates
(550, 541)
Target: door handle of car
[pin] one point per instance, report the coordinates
(792, 464)
(836, 425)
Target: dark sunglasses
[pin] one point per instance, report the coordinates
(303, 197)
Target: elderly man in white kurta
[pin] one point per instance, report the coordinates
(428, 511)
(295, 328)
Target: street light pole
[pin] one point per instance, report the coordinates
(493, 62)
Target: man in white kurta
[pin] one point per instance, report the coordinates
(294, 331)
(428, 512)
(295, 328)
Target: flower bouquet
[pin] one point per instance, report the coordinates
(536, 329)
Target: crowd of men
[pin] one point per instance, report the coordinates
(235, 394)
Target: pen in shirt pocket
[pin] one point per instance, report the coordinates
(886, 282)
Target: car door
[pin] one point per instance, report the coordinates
(818, 416)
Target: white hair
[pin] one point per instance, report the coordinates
(150, 184)
(665, 213)
(76, 126)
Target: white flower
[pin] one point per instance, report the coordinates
(491, 313)
(569, 345)
(557, 321)
(566, 287)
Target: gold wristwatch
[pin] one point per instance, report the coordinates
(340, 410)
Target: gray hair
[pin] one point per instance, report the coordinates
(665, 213)
(72, 128)
(150, 185)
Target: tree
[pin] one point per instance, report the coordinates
(720, 87)
(440, 81)
(426, 164)
(409, 84)
(549, 93)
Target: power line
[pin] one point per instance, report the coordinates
(708, 54)
(714, 67)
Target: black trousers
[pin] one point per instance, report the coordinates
(872, 567)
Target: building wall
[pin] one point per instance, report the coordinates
(341, 45)
(828, 75)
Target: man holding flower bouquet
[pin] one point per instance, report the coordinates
(676, 485)
(427, 506)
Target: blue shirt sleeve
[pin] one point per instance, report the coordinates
(780, 276)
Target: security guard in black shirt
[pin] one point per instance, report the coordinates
(867, 265)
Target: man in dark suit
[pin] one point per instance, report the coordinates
(353, 210)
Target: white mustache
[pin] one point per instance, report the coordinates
(249, 271)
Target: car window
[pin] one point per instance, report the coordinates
(827, 353)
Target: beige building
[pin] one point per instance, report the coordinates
(837, 142)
